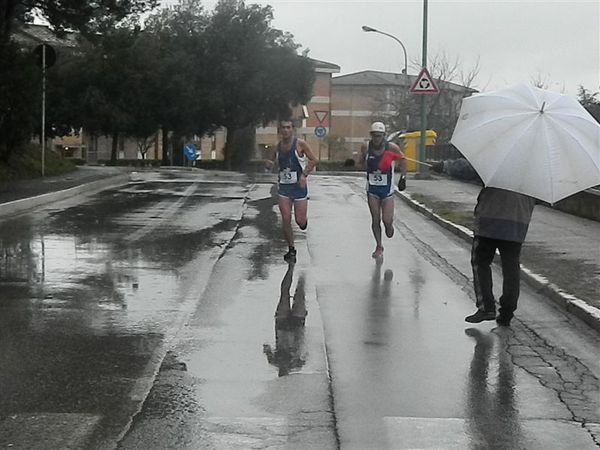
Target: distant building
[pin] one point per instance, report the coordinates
(360, 98)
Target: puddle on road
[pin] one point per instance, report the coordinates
(86, 257)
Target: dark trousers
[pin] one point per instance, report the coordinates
(482, 255)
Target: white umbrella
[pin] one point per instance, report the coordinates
(531, 141)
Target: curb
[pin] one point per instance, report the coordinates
(570, 303)
(24, 204)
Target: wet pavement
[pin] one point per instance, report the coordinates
(144, 316)
(561, 254)
(401, 354)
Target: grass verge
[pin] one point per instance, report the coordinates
(447, 210)
(27, 164)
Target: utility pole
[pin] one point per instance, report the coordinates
(421, 151)
(43, 108)
(46, 57)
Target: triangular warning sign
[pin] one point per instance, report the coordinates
(424, 84)
(321, 115)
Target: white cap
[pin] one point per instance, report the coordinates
(377, 127)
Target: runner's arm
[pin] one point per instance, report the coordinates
(312, 161)
(271, 161)
(363, 156)
(401, 159)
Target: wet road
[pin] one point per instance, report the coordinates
(143, 317)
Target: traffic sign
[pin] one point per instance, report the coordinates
(190, 152)
(321, 115)
(424, 84)
(49, 58)
(320, 131)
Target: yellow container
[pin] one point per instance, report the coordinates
(411, 144)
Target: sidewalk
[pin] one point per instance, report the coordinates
(560, 257)
(21, 195)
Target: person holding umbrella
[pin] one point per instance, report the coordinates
(525, 143)
(501, 222)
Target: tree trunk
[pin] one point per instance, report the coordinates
(165, 147)
(177, 149)
(239, 147)
(114, 148)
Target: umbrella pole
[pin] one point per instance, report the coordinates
(418, 162)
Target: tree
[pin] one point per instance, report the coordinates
(18, 78)
(85, 16)
(19, 94)
(113, 87)
(590, 102)
(188, 73)
(257, 73)
(99, 99)
(182, 74)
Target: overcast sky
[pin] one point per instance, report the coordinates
(557, 42)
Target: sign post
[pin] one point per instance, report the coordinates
(45, 57)
(423, 85)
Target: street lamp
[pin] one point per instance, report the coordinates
(369, 29)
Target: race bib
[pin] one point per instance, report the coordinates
(378, 179)
(288, 177)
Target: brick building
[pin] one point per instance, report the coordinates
(360, 98)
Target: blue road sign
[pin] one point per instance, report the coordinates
(320, 131)
(190, 152)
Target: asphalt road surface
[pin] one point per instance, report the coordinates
(143, 317)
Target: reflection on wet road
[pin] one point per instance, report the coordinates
(253, 357)
(90, 292)
(405, 373)
(494, 417)
(162, 315)
(289, 352)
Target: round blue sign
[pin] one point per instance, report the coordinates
(320, 131)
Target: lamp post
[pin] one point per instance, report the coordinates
(373, 30)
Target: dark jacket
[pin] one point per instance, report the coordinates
(502, 214)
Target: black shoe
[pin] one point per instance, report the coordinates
(290, 256)
(503, 320)
(480, 316)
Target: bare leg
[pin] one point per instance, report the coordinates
(375, 209)
(387, 212)
(285, 208)
(300, 213)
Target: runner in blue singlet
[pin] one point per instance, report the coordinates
(380, 182)
(291, 168)
(295, 160)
